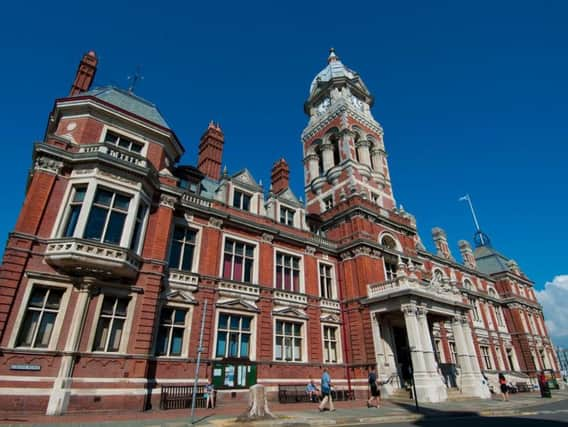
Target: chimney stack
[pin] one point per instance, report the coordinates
(441, 242)
(211, 152)
(85, 73)
(280, 176)
(467, 254)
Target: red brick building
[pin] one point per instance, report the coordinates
(118, 247)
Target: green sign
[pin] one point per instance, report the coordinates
(233, 375)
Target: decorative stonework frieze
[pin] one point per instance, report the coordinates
(183, 278)
(47, 164)
(215, 222)
(188, 217)
(241, 290)
(310, 250)
(267, 238)
(408, 309)
(168, 201)
(115, 177)
(290, 298)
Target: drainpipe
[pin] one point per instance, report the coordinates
(344, 330)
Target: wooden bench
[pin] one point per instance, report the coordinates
(175, 396)
(522, 387)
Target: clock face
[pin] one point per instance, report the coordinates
(357, 102)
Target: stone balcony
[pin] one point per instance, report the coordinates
(404, 284)
(239, 289)
(290, 298)
(87, 257)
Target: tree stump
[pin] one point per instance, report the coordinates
(258, 405)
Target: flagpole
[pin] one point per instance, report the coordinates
(468, 198)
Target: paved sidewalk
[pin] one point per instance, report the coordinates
(299, 414)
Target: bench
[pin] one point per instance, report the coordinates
(522, 387)
(293, 393)
(176, 396)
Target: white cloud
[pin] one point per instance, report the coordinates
(553, 298)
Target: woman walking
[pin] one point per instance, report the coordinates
(503, 386)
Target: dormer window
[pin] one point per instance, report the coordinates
(286, 216)
(241, 200)
(123, 142)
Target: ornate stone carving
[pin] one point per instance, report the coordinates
(267, 238)
(215, 222)
(167, 201)
(47, 164)
(408, 309)
(188, 217)
(310, 250)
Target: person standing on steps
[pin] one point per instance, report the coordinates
(326, 391)
(503, 386)
(374, 386)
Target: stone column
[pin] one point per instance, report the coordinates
(311, 161)
(378, 342)
(61, 392)
(363, 152)
(377, 156)
(439, 390)
(327, 155)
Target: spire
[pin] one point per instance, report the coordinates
(332, 56)
(85, 73)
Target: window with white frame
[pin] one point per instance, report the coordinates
(241, 200)
(288, 341)
(182, 250)
(110, 327)
(467, 284)
(499, 315)
(234, 332)
(136, 241)
(39, 318)
(437, 351)
(328, 203)
(327, 288)
(391, 267)
(287, 215)
(107, 216)
(532, 324)
(330, 344)
(171, 331)
(238, 261)
(287, 272)
(123, 142)
(75, 205)
(510, 359)
(453, 353)
(486, 356)
(474, 309)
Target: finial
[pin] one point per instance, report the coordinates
(332, 56)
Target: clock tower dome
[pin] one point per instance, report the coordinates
(343, 145)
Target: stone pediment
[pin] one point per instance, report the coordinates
(244, 177)
(287, 196)
(330, 318)
(178, 295)
(290, 312)
(237, 304)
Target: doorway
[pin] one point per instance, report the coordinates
(402, 353)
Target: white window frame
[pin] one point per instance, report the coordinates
(288, 210)
(187, 328)
(92, 182)
(125, 339)
(128, 135)
(339, 347)
(453, 352)
(253, 332)
(333, 280)
(327, 203)
(61, 314)
(253, 202)
(256, 255)
(197, 249)
(302, 289)
(486, 357)
(304, 336)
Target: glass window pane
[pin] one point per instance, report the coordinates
(249, 251)
(37, 297)
(233, 345)
(162, 342)
(221, 344)
(28, 329)
(79, 194)
(278, 349)
(111, 137)
(228, 246)
(297, 328)
(279, 327)
(228, 267)
(175, 253)
(121, 306)
(179, 233)
(116, 335)
(223, 320)
(121, 202)
(245, 325)
(137, 148)
(245, 345)
(103, 197)
(187, 258)
(235, 322)
(179, 317)
(45, 329)
(54, 298)
(166, 316)
(123, 142)
(95, 223)
(72, 221)
(102, 334)
(177, 340)
(248, 271)
(288, 328)
(115, 226)
(108, 305)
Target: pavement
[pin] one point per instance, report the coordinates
(305, 414)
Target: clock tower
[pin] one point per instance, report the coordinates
(343, 145)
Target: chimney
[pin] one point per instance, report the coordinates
(280, 175)
(211, 152)
(441, 242)
(85, 73)
(467, 254)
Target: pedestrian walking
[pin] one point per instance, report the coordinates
(374, 390)
(326, 391)
(503, 386)
(210, 395)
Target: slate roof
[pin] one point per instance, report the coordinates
(129, 102)
(489, 260)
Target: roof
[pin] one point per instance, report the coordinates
(334, 69)
(490, 261)
(128, 101)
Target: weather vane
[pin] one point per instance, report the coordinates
(134, 79)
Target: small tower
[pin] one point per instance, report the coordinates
(211, 152)
(280, 176)
(467, 254)
(343, 144)
(441, 242)
(85, 73)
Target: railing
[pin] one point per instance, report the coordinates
(239, 288)
(115, 152)
(195, 200)
(403, 282)
(180, 396)
(326, 303)
(183, 278)
(290, 297)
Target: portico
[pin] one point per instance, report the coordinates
(403, 312)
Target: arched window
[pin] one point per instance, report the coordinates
(388, 242)
(356, 139)
(492, 293)
(438, 276)
(334, 139)
(467, 284)
(317, 149)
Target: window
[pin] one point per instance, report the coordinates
(286, 216)
(330, 347)
(467, 285)
(453, 353)
(375, 198)
(107, 216)
(326, 281)
(437, 352)
(486, 357)
(499, 315)
(241, 200)
(111, 324)
(388, 242)
(233, 335)
(328, 203)
(121, 141)
(532, 325)
(138, 225)
(438, 276)
(542, 359)
(39, 319)
(287, 272)
(74, 210)
(183, 248)
(171, 331)
(510, 359)
(474, 309)
(238, 261)
(288, 341)
(390, 267)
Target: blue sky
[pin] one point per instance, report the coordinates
(472, 96)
